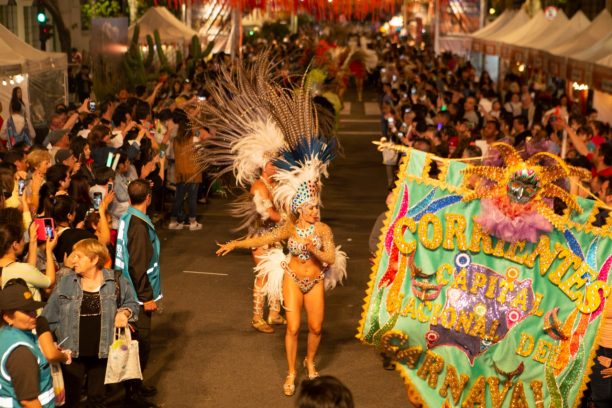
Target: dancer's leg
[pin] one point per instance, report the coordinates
(314, 303)
(259, 298)
(293, 299)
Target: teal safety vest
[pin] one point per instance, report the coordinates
(122, 258)
(11, 338)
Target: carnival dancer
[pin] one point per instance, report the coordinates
(313, 264)
(359, 61)
(245, 145)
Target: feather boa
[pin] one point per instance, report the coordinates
(510, 224)
(336, 272)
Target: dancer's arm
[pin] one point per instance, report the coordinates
(328, 253)
(276, 235)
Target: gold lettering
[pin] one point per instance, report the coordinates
(454, 382)
(448, 318)
(492, 287)
(464, 322)
(538, 396)
(478, 329)
(511, 252)
(402, 245)
(493, 330)
(592, 300)
(520, 299)
(498, 251)
(409, 356)
(497, 396)
(423, 231)
(421, 316)
(569, 259)
(477, 394)
(542, 350)
(526, 345)
(431, 368)
(518, 399)
(505, 286)
(460, 281)
(544, 253)
(536, 306)
(444, 268)
(410, 309)
(480, 238)
(478, 281)
(455, 228)
(435, 315)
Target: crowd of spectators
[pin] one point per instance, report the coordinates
(439, 104)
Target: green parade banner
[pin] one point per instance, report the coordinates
(475, 318)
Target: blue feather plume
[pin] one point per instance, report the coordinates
(305, 150)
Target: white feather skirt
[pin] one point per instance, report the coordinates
(272, 266)
(336, 273)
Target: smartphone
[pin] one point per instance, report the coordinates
(201, 98)
(45, 228)
(394, 78)
(92, 106)
(162, 154)
(109, 187)
(439, 127)
(390, 120)
(21, 186)
(413, 91)
(97, 200)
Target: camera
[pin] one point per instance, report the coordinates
(92, 106)
(109, 187)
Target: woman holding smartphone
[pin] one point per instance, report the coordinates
(12, 243)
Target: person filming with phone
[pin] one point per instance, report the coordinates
(12, 244)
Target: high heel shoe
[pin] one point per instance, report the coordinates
(289, 385)
(278, 320)
(310, 376)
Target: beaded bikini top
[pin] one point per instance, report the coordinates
(299, 249)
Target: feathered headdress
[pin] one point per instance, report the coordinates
(299, 172)
(246, 135)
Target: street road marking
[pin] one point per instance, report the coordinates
(206, 273)
(377, 121)
(372, 133)
(346, 109)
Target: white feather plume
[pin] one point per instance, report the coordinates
(270, 269)
(336, 272)
(261, 141)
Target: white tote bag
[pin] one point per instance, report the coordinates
(123, 361)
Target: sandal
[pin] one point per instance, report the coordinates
(315, 374)
(261, 326)
(276, 320)
(289, 385)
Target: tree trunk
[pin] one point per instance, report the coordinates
(63, 33)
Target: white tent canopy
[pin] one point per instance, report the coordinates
(561, 33)
(520, 19)
(542, 27)
(512, 37)
(597, 51)
(599, 28)
(606, 61)
(170, 28)
(42, 77)
(496, 25)
(19, 57)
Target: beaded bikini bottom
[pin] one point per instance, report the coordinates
(305, 284)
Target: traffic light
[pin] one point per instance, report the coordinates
(45, 32)
(41, 16)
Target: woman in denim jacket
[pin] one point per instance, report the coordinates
(83, 310)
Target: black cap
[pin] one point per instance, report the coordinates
(18, 297)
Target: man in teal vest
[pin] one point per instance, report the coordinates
(25, 376)
(138, 259)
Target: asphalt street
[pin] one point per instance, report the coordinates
(205, 353)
